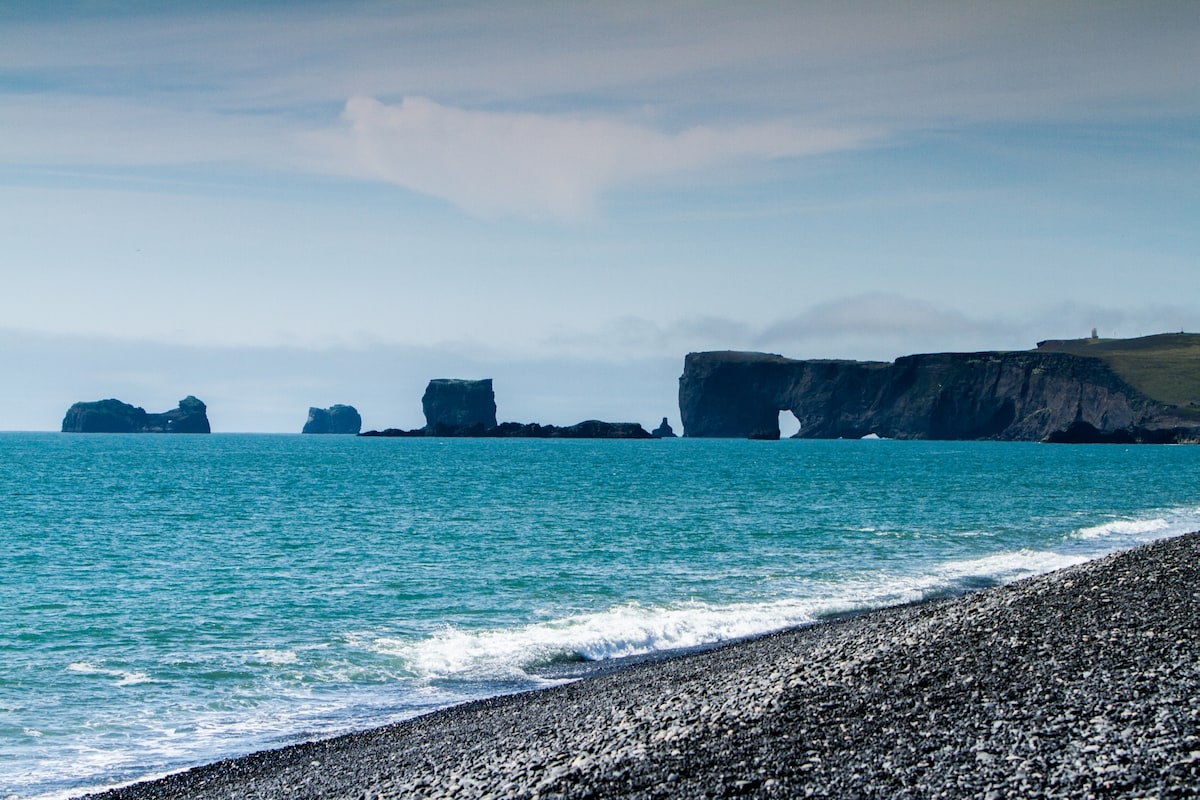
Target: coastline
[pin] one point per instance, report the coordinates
(1075, 683)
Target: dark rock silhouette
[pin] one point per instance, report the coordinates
(589, 429)
(663, 431)
(453, 404)
(1020, 395)
(114, 416)
(467, 409)
(335, 419)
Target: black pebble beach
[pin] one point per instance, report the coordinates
(1080, 683)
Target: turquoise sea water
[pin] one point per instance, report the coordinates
(169, 600)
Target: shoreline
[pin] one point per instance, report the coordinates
(1080, 682)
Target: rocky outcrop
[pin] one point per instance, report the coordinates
(663, 431)
(452, 405)
(335, 419)
(1021, 395)
(467, 409)
(589, 429)
(114, 416)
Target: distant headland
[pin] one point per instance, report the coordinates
(1144, 390)
(113, 416)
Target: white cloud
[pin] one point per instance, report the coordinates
(872, 326)
(544, 166)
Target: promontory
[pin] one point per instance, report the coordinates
(1079, 390)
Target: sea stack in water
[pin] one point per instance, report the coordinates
(459, 407)
(663, 431)
(335, 419)
(114, 416)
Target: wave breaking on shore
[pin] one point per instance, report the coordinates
(1079, 682)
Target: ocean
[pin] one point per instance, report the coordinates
(166, 601)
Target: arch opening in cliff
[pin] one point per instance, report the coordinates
(789, 426)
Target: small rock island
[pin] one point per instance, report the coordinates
(114, 416)
(663, 431)
(467, 408)
(337, 419)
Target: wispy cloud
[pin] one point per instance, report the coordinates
(541, 165)
(534, 110)
(871, 326)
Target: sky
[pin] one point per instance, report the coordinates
(277, 205)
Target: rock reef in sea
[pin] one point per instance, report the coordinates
(114, 416)
(335, 419)
(467, 409)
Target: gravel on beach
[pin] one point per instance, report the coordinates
(1079, 683)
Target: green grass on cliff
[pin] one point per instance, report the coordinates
(1164, 367)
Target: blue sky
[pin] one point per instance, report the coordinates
(278, 205)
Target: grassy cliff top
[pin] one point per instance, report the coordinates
(1164, 367)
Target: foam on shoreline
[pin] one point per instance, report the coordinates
(1077, 682)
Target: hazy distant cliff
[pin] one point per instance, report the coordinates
(1021, 395)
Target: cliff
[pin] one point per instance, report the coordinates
(114, 416)
(335, 419)
(456, 405)
(1019, 395)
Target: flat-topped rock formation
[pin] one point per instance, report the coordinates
(467, 409)
(114, 416)
(453, 404)
(335, 419)
(1039, 395)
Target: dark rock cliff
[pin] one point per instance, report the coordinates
(114, 416)
(452, 404)
(335, 419)
(1021, 395)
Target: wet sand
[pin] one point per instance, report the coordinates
(1081, 683)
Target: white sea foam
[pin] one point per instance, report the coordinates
(277, 657)
(124, 677)
(634, 629)
(1124, 527)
